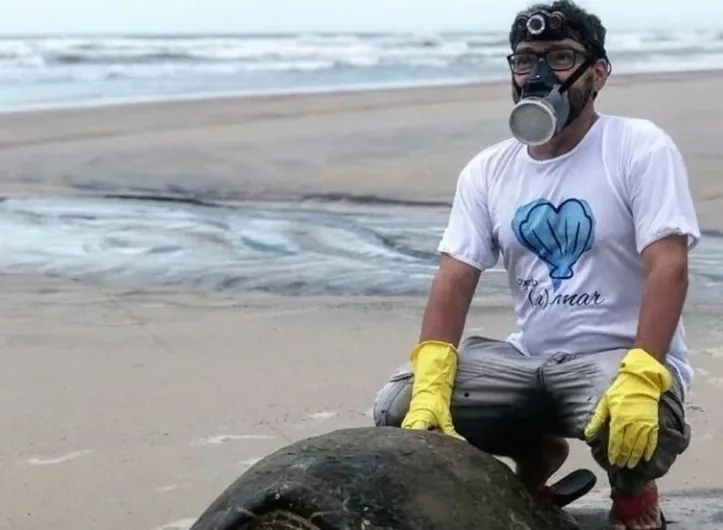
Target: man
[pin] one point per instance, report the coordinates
(594, 221)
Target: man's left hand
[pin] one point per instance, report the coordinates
(631, 405)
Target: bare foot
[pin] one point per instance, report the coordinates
(540, 459)
(648, 519)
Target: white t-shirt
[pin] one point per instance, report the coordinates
(570, 231)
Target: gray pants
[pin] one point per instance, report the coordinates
(501, 396)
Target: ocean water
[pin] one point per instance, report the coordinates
(62, 71)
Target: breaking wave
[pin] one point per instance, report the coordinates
(50, 69)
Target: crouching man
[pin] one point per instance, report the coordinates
(593, 218)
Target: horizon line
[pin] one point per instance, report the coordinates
(290, 32)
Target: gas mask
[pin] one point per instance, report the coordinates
(543, 107)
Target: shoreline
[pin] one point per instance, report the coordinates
(284, 249)
(334, 90)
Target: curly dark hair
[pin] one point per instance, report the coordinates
(580, 25)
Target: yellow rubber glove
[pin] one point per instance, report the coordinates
(435, 368)
(631, 404)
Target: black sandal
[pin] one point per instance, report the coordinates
(571, 487)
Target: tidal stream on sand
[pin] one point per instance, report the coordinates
(291, 248)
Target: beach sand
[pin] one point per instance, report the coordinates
(125, 406)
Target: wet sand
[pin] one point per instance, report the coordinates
(394, 145)
(129, 406)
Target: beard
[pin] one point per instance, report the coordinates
(580, 96)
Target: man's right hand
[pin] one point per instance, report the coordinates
(435, 368)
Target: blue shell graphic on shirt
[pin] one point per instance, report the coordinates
(558, 235)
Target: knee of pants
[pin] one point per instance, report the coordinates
(673, 439)
(392, 401)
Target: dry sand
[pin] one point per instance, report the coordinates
(129, 407)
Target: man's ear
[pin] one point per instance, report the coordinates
(601, 71)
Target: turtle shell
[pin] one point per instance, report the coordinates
(380, 478)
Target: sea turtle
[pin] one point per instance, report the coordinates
(374, 478)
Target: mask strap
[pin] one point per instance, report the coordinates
(574, 77)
